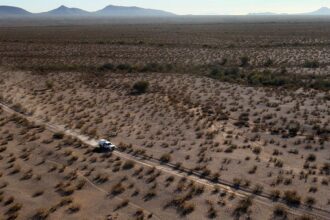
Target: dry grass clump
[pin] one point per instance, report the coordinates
(310, 201)
(140, 87)
(117, 189)
(150, 194)
(128, 165)
(280, 212)
(65, 189)
(14, 209)
(165, 158)
(182, 206)
(9, 201)
(122, 204)
(58, 135)
(40, 214)
(101, 178)
(38, 193)
(243, 207)
(275, 194)
(73, 208)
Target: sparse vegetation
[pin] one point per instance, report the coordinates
(252, 115)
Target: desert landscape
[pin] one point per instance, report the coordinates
(212, 120)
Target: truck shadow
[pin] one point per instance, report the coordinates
(101, 150)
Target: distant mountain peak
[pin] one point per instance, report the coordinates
(324, 8)
(66, 11)
(114, 10)
(12, 11)
(63, 7)
(322, 11)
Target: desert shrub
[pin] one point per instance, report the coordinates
(117, 189)
(279, 163)
(3, 148)
(230, 149)
(140, 87)
(14, 208)
(38, 193)
(128, 165)
(102, 177)
(293, 128)
(153, 67)
(226, 74)
(269, 78)
(256, 150)
(73, 208)
(244, 61)
(65, 191)
(65, 201)
(165, 158)
(237, 182)
(107, 66)
(58, 135)
(40, 214)
(327, 97)
(187, 208)
(258, 189)
(253, 170)
(181, 205)
(322, 84)
(139, 214)
(310, 201)
(125, 67)
(311, 64)
(311, 158)
(325, 168)
(275, 194)
(149, 195)
(312, 189)
(211, 212)
(269, 62)
(215, 177)
(49, 84)
(223, 61)
(266, 78)
(243, 206)
(122, 204)
(305, 217)
(80, 184)
(19, 108)
(9, 201)
(280, 212)
(291, 198)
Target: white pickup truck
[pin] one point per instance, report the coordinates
(105, 145)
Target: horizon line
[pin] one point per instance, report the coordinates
(265, 13)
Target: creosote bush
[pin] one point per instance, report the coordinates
(165, 158)
(311, 64)
(140, 87)
(291, 198)
(58, 135)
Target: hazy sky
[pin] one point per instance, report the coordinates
(181, 6)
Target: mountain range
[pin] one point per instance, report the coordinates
(118, 11)
(110, 10)
(321, 11)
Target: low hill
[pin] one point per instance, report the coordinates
(321, 11)
(65, 11)
(122, 11)
(12, 11)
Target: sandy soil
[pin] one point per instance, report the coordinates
(270, 140)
